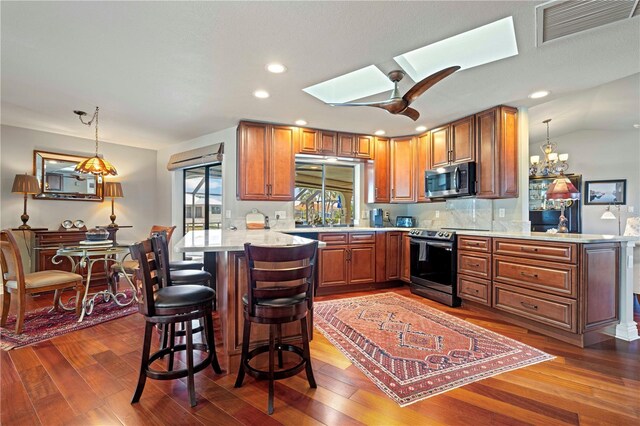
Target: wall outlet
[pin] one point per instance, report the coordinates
(227, 214)
(630, 209)
(437, 214)
(281, 214)
(365, 214)
(386, 215)
(501, 212)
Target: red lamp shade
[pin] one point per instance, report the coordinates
(562, 189)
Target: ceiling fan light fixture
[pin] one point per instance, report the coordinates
(261, 94)
(539, 94)
(276, 68)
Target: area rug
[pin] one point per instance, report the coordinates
(40, 324)
(411, 351)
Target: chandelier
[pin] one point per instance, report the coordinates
(552, 163)
(95, 165)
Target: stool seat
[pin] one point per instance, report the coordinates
(280, 301)
(183, 296)
(178, 265)
(190, 276)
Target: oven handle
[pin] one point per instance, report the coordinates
(457, 179)
(447, 246)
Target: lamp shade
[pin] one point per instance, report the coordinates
(113, 190)
(562, 189)
(607, 215)
(26, 184)
(96, 166)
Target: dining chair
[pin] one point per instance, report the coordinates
(280, 290)
(163, 303)
(20, 283)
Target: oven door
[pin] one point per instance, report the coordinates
(433, 264)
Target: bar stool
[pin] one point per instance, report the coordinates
(163, 303)
(180, 265)
(285, 295)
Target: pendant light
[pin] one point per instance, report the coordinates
(552, 162)
(95, 165)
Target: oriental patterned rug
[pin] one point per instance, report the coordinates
(40, 324)
(412, 351)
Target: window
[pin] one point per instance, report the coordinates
(203, 197)
(324, 194)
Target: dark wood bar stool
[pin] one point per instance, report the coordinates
(278, 293)
(162, 303)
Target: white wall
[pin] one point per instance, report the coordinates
(602, 155)
(136, 170)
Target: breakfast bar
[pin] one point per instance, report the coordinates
(224, 259)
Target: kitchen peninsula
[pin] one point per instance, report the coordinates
(224, 259)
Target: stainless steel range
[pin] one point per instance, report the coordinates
(433, 265)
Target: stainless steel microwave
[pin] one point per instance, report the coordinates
(451, 181)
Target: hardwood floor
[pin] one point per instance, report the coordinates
(88, 377)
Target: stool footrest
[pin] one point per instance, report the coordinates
(277, 375)
(177, 374)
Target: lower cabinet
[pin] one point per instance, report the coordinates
(405, 274)
(565, 290)
(342, 267)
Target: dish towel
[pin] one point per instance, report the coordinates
(423, 252)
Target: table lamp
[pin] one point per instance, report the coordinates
(25, 184)
(563, 190)
(113, 190)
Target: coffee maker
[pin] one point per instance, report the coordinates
(376, 218)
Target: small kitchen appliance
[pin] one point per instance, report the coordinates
(376, 218)
(405, 222)
(451, 181)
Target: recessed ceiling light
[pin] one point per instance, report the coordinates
(276, 68)
(637, 126)
(479, 46)
(539, 94)
(262, 94)
(379, 132)
(301, 123)
(421, 128)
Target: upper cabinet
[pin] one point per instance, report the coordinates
(266, 161)
(346, 144)
(308, 141)
(422, 165)
(453, 143)
(378, 190)
(497, 152)
(364, 146)
(402, 170)
(327, 142)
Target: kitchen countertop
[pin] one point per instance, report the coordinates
(543, 236)
(323, 229)
(217, 240)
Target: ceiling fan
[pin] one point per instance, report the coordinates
(400, 104)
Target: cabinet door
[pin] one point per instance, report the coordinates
(282, 163)
(346, 142)
(487, 155)
(253, 154)
(308, 141)
(463, 140)
(364, 146)
(600, 280)
(439, 147)
(422, 164)
(406, 258)
(362, 264)
(381, 190)
(328, 142)
(333, 266)
(402, 171)
(508, 152)
(393, 255)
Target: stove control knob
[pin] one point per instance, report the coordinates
(440, 234)
(447, 235)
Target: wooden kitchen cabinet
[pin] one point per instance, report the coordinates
(364, 147)
(346, 144)
(378, 189)
(402, 170)
(333, 267)
(313, 141)
(393, 258)
(266, 161)
(327, 142)
(453, 143)
(422, 165)
(497, 152)
(308, 141)
(405, 274)
(346, 267)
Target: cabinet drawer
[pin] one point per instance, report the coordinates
(559, 312)
(333, 238)
(367, 237)
(544, 276)
(474, 289)
(557, 252)
(479, 244)
(48, 240)
(475, 264)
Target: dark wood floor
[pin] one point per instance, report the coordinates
(88, 377)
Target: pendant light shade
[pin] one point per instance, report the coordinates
(95, 165)
(562, 189)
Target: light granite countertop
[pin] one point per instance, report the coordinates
(215, 240)
(543, 236)
(325, 229)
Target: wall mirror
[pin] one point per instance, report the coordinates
(59, 181)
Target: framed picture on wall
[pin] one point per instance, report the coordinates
(605, 192)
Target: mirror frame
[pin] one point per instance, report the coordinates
(41, 156)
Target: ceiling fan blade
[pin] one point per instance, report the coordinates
(426, 83)
(378, 104)
(411, 113)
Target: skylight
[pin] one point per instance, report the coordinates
(358, 84)
(479, 46)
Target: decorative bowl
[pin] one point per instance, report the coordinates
(97, 234)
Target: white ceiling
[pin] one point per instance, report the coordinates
(165, 72)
